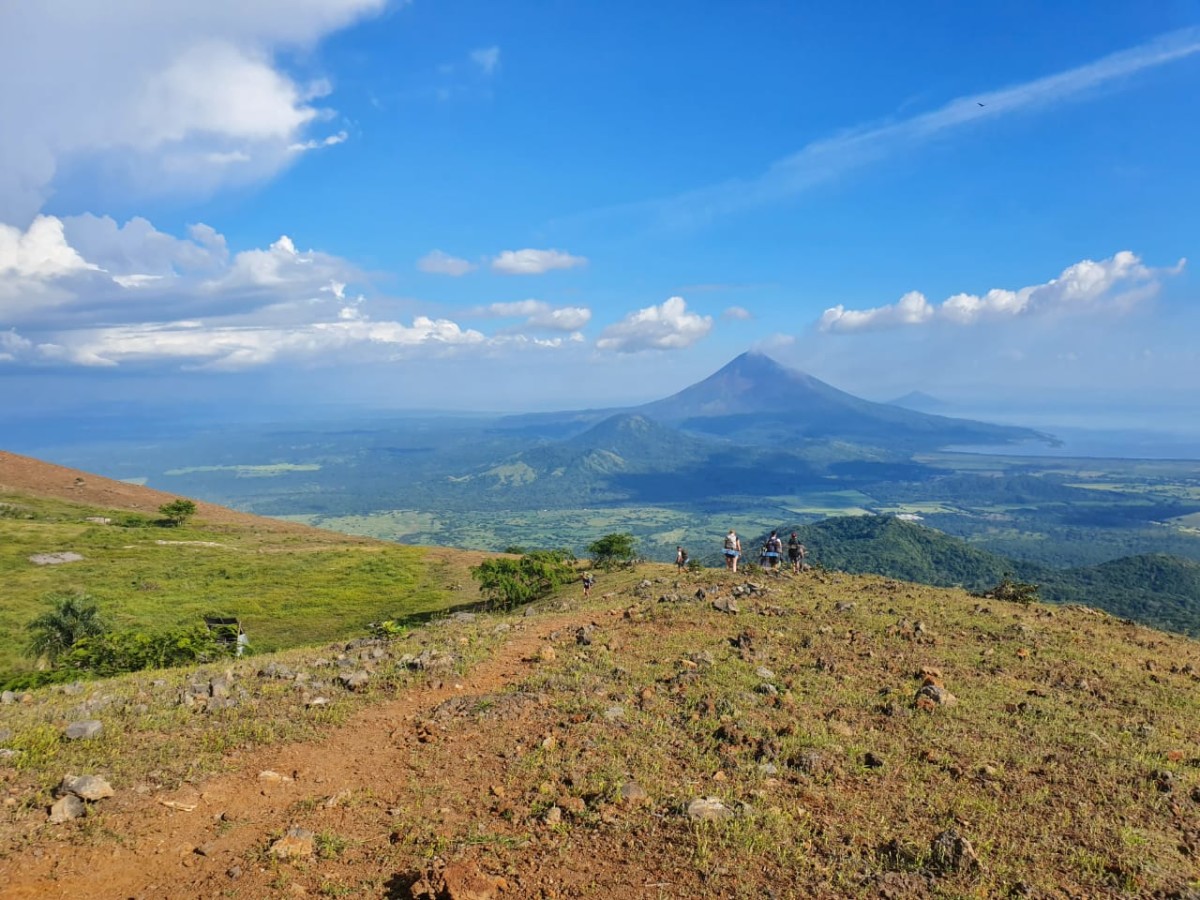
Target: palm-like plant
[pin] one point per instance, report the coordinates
(73, 616)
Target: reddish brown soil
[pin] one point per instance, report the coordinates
(22, 474)
(146, 849)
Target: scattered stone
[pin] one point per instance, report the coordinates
(708, 809)
(317, 702)
(844, 607)
(726, 605)
(6, 734)
(951, 852)
(86, 787)
(464, 881)
(583, 637)
(220, 686)
(8, 697)
(546, 655)
(553, 816)
(811, 762)
(55, 559)
(701, 594)
(65, 809)
(465, 617)
(234, 872)
(936, 695)
(98, 520)
(634, 793)
(765, 673)
(614, 713)
(269, 776)
(872, 760)
(83, 731)
(298, 843)
(354, 681)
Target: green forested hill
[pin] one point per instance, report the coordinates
(1154, 588)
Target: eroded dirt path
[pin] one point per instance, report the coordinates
(150, 849)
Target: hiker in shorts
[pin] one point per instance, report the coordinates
(733, 549)
(773, 551)
(796, 553)
(588, 580)
(681, 558)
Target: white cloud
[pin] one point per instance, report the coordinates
(317, 143)
(666, 327)
(167, 96)
(13, 346)
(739, 313)
(136, 295)
(39, 253)
(487, 59)
(539, 314)
(534, 262)
(1112, 284)
(435, 262)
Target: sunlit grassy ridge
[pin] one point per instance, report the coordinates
(288, 587)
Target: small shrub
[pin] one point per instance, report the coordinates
(73, 618)
(613, 550)
(510, 582)
(177, 511)
(1014, 591)
(133, 651)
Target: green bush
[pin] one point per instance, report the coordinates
(1014, 591)
(74, 617)
(177, 511)
(511, 582)
(612, 550)
(132, 651)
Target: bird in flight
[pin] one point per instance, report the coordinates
(980, 104)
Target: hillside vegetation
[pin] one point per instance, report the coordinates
(289, 585)
(849, 736)
(1156, 589)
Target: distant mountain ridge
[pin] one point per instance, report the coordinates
(756, 401)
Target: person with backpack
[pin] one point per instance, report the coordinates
(588, 580)
(733, 549)
(796, 553)
(681, 558)
(773, 551)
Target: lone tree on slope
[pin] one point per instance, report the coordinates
(177, 511)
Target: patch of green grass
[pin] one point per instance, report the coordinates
(287, 588)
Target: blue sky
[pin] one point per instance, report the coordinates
(538, 205)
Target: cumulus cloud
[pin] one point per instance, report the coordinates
(1112, 284)
(487, 59)
(539, 314)
(169, 96)
(534, 262)
(13, 346)
(435, 262)
(86, 291)
(738, 313)
(668, 326)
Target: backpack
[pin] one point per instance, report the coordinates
(683, 557)
(774, 544)
(728, 543)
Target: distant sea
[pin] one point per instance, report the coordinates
(1117, 443)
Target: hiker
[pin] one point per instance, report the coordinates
(681, 558)
(588, 580)
(796, 553)
(772, 551)
(733, 549)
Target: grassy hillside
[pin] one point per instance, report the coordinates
(289, 585)
(1157, 589)
(563, 750)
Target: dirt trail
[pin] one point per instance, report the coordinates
(150, 850)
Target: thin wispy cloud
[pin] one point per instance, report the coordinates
(826, 159)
